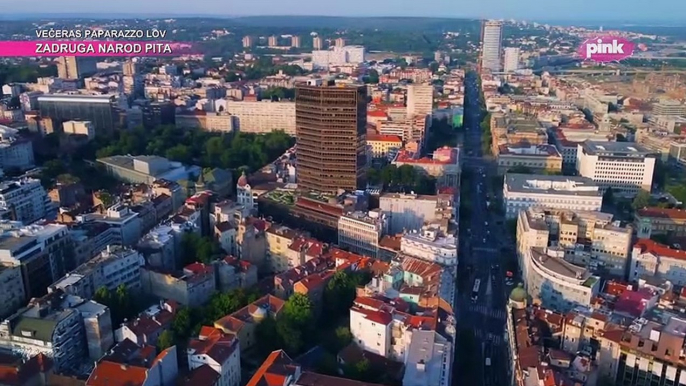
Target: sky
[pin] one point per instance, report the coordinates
(592, 10)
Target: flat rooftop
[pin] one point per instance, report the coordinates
(615, 149)
(561, 268)
(546, 184)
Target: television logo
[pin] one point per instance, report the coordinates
(606, 49)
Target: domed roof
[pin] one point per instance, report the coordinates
(518, 294)
(243, 180)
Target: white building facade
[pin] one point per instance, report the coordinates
(624, 167)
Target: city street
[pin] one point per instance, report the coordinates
(481, 242)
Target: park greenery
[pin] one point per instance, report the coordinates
(402, 179)
(278, 93)
(26, 72)
(207, 149)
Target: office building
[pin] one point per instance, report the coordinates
(295, 41)
(98, 109)
(623, 166)
(317, 43)
(73, 68)
(420, 99)
(261, 117)
(491, 45)
(248, 41)
(587, 239)
(511, 59)
(521, 191)
(331, 124)
(25, 200)
(554, 282)
(669, 108)
(273, 41)
(360, 232)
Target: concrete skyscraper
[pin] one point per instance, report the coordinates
(317, 43)
(331, 127)
(511, 60)
(420, 99)
(491, 45)
(72, 68)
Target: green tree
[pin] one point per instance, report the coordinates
(373, 76)
(642, 200)
(299, 310)
(267, 336)
(182, 323)
(179, 153)
(339, 295)
(165, 340)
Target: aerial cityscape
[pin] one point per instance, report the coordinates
(342, 201)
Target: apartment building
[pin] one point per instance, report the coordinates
(15, 152)
(46, 326)
(650, 259)
(205, 120)
(387, 328)
(192, 286)
(129, 362)
(126, 224)
(360, 232)
(220, 351)
(114, 266)
(669, 108)
(420, 99)
(444, 165)
(430, 244)
(42, 252)
(537, 158)
(511, 59)
(589, 239)
(232, 273)
(383, 146)
(623, 166)
(149, 325)
(25, 200)
(260, 116)
(521, 191)
(12, 293)
(660, 221)
(554, 282)
(405, 212)
(243, 322)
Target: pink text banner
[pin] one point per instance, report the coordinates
(94, 48)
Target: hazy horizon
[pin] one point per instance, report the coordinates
(628, 11)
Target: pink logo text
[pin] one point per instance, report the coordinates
(606, 49)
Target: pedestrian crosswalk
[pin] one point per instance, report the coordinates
(495, 339)
(485, 310)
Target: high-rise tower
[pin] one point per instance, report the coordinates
(491, 45)
(331, 126)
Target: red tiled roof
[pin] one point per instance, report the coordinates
(215, 344)
(203, 375)
(108, 373)
(314, 379)
(650, 246)
(678, 214)
(377, 114)
(274, 370)
(198, 268)
(321, 207)
(15, 372)
(384, 138)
